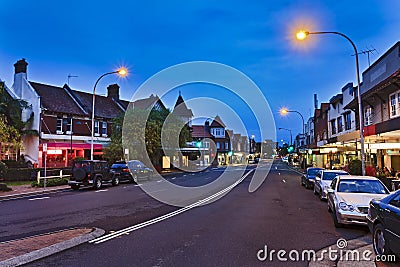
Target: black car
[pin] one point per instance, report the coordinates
(384, 223)
(121, 168)
(91, 173)
(308, 178)
(139, 170)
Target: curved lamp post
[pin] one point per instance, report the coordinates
(285, 111)
(121, 72)
(301, 35)
(290, 131)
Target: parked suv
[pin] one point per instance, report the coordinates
(91, 173)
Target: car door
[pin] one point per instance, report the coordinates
(392, 213)
(317, 183)
(331, 193)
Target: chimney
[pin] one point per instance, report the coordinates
(20, 77)
(113, 91)
(20, 66)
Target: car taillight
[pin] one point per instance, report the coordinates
(125, 170)
(88, 175)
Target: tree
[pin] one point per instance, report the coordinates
(147, 132)
(114, 151)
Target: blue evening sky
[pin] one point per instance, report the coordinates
(89, 38)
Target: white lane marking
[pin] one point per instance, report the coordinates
(284, 180)
(184, 175)
(136, 185)
(279, 173)
(101, 190)
(159, 181)
(168, 215)
(173, 178)
(125, 187)
(38, 198)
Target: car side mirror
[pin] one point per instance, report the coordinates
(330, 191)
(317, 179)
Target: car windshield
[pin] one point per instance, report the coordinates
(362, 186)
(331, 175)
(312, 172)
(118, 165)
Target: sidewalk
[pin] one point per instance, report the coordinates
(21, 251)
(27, 190)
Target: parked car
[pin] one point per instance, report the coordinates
(384, 223)
(139, 170)
(323, 180)
(308, 178)
(91, 173)
(349, 197)
(121, 167)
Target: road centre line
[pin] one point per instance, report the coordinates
(166, 216)
(101, 190)
(38, 198)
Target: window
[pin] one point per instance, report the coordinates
(96, 128)
(347, 121)
(394, 104)
(368, 116)
(218, 145)
(67, 122)
(333, 126)
(104, 128)
(395, 201)
(226, 145)
(218, 132)
(340, 124)
(59, 125)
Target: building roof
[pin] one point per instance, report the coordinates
(67, 101)
(217, 122)
(181, 109)
(56, 99)
(151, 102)
(199, 131)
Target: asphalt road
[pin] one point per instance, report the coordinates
(229, 232)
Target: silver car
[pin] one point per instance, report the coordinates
(323, 179)
(349, 197)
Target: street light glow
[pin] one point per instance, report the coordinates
(122, 72)
(283, 111)
(301, 35)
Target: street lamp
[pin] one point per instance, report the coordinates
(285, 111)
(290, 131)
(122, 72)
(301, 35)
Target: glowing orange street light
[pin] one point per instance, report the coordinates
(301, 35)
(122, 72)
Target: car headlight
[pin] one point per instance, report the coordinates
(344, 206)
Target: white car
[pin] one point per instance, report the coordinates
(323, 180)
(349, 197)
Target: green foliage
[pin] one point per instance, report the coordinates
(51, 182)
(3, 169)
(143, 129)
(355, 167)
(12, 127)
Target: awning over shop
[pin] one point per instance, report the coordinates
(349, 136)
(56, 145)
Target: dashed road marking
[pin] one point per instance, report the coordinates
(101, 190)
(38, 198)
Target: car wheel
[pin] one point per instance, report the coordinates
(329, 209)
(307, 185)
(75, 186)
(379, 242)
(115, 181)
(321, 197)
(302, 181)
(315, 191)
(335, 220)
(98, 183)
(135, 178)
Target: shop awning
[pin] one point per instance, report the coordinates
(56, 145)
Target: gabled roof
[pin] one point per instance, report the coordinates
(65, 100)
(181, 109)
(217, 122)
(56, 99)
(198, 131)
(151, 102)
